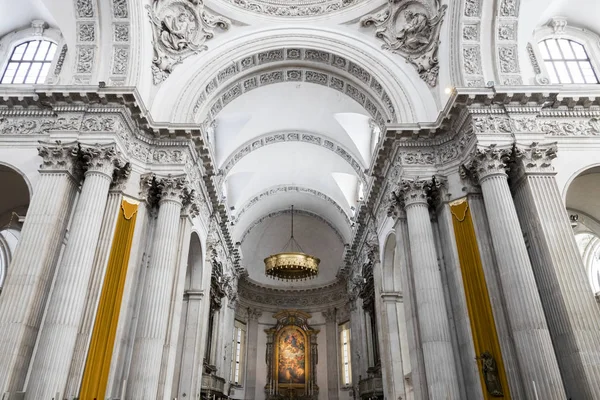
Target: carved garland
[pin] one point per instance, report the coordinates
(378, 104)
(180, 29)
(418, 38)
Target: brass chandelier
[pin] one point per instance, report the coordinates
(292, 264)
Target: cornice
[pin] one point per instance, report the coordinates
(322, 297)
(128, 103)
(456, 127)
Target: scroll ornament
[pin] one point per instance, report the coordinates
(180, 29)
(411, 28)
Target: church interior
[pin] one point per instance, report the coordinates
(300, 199)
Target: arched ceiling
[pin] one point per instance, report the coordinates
(291, 95)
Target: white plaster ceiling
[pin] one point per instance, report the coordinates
(290, 106)
(584, 193)
(271, 235)
(16, 15)
(272, 177)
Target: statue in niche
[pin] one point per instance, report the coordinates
(490, 374)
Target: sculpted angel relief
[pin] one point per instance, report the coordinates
(292, 357)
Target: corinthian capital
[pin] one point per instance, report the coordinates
(487, 162)
(330, 315)
(101, 158)
(59, 157)
(173, 188)
(535, 158)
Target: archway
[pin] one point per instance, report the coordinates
(13, 207)
(584, 211)
(189, 344)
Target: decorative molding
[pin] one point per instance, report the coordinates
(287, 189)
(86, 50)
(296, 212)
(238, 78)
(471, 66)
(321, 297)
(578, 127)
(507, 59)
(294, 9)
(121, 47)
(540, 78)
(180, 29)
(304, 137)
(418, 39)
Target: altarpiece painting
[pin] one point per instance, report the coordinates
(291, 357)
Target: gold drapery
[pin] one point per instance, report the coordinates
(97, 365)
(485, 337)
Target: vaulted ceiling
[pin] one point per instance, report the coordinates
(292, 96)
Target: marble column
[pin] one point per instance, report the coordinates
(252, 352)
(189, 211)
(152, 325)
(415, 351)
(113, 205)
(30, 273)
(333, 377)
(533, 345)
(488, 261)
(570, 307)
(440, 367)
(56, 344)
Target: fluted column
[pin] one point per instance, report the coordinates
(571, 310)
(30, 273)
(332, 354)
(527, 322)
(56, 344)
(151, 330)
(440, 368)
(417, 364)
(189, 211)
(113, 206)
(252, 352)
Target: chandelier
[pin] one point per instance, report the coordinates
(292, 264)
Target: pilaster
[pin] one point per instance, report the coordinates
(526, 317)
(570, 308)
(30, 274)
(56, 344)
(332, 354)
(252, 352)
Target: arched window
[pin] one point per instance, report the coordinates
(29, 62)
(567, 61)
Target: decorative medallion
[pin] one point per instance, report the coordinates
(411, 28)
(180, 29)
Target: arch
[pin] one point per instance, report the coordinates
(13, 207)
(407, 96)
(296, 212)
(294, 136)
(195, 265)
(387, 268)
(285, 189)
